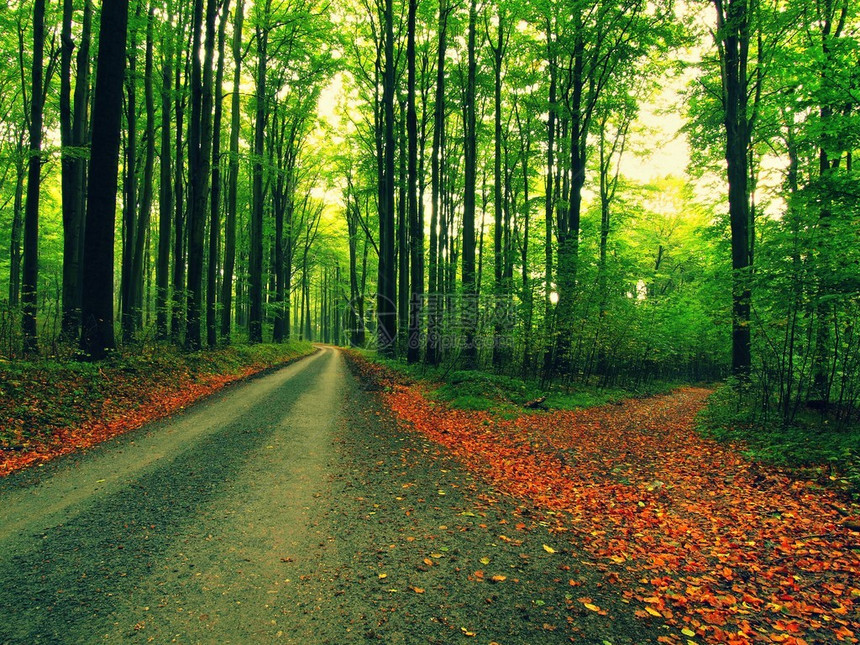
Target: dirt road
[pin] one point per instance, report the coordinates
(287, 509)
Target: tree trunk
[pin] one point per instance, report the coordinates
(416, 225)
(143, 217)
(233, 180)
(199, 165)
(402, 234)
(255, 320)
(386, 310)
(17, 225)
(73, 129)
(97, 332)
(165, 199)
(499, 228)
(470, 304)
(180, 199)
(130, 204)
(215, 202)
(434, 310)
(34, 170)
(733, 29)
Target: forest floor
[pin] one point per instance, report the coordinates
(50, 408)
(308, 506)
(682, 529)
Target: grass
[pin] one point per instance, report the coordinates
(810, 445)
(486, 391)
(37, 398)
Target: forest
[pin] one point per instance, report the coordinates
(587, 191)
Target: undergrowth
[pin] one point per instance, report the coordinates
(486, 391)
(39, 397)
(812, 444)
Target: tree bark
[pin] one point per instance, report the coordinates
(144, 215)
(165, 199)
(97, 332)
(233, 180)
(215, 201)
(130, 201)
(416, 225)
(73, 128)
(470, 304)
(181, 207)
(199, 164)
(255, 317)
(17, 224)
(386, 283)
(733, 30)
(434, 309)
(34, 170)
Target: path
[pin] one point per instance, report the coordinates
(287, 509)
(294, 509)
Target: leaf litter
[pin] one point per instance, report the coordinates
(722, 548)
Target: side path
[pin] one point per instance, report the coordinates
(289, 509)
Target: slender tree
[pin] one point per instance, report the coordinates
(165, 199)
(199, 163)
(73, 131)
(733, 36)
(215, 199)
(255, 260)
(434, 311)
(416, 224)
(470, 294)
(386, 302)
(34, 177)
(233, 178)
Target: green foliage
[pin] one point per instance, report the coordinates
(811, 444)
(488, 391)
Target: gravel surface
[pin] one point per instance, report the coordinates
(288, 509)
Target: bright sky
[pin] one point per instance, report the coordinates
(664, 149)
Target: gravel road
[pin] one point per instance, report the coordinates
(285, 509)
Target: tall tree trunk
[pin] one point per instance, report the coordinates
(386, 310)
(233, 180)
(527, 296)
(416, 225)
(73, 139)
(97, 332)
(255, 321)
(831, 19)
(549, 203)
(34, 170)
(470, 304)
(279, 126)
(356, 321)
(215, 202)
(402, 233)
(200, 150)
(733, 31)
(130, 201)
(180, 196)
(141, 235)
(434, 312)
(165, 199)
(569, 221)
(499, 228)
(17, 224)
